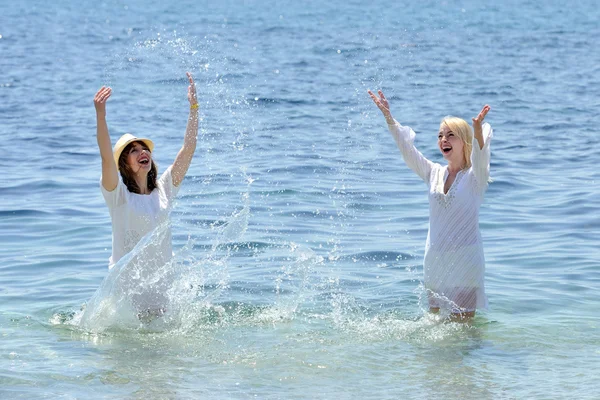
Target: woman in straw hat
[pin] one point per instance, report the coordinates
(454, 264)
(139, 200)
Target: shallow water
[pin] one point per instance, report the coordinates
(298, 223)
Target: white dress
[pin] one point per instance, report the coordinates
(454, 264)
(135, 215)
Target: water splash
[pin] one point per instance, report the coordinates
(138, 293)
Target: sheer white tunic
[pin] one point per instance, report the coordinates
(135, 215)
(454, 264)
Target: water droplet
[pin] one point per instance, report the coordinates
(339, 51)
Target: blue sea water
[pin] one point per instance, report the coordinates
(298, 223)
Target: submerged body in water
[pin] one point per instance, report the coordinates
(454, 263)
(138, 203)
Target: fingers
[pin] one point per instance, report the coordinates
(375, 99)
(481, 116)
(484, 111)
(190, 78)
(384, 101)
(382, 104)
(192, 86)
(103, 94)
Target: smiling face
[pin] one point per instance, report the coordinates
(455, 141)
(135, 163)
(138, 157)
(451, 145)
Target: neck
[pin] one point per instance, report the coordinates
(455, 166)
(142, 183)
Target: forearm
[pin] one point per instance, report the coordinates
(103, 137)
(109, 169)
(478, 134)
(185, 155)
(191, 132)
(414, 159)
(480, 157)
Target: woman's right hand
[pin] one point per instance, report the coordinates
(382, 103)
(100, 99)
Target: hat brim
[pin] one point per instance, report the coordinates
(126, 140)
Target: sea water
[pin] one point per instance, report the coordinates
(298, 232)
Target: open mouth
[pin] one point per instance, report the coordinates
(144, 161)
(446, 150)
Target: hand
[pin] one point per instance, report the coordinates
(477, 121)
(383, 105)
(100, 99)
(191, 90)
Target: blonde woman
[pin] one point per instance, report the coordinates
(454, 264)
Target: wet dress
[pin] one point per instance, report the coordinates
(135, 215)
(454, 263)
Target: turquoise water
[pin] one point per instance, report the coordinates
(298, 226)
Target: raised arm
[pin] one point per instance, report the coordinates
(110, 174)
(480, 155)
(477, 125)
(184, 157)
(404, 137)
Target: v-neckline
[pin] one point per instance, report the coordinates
(445, 178)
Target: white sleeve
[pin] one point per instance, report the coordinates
(404, 137)
(480, 158)
(117, 196)
(166, 183)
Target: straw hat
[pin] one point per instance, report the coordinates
(124, 141)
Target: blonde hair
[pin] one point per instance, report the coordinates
(462, 129)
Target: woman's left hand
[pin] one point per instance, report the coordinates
(191, 90)
(477, 121)
(477, 128)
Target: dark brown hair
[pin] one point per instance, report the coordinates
(127, 173)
